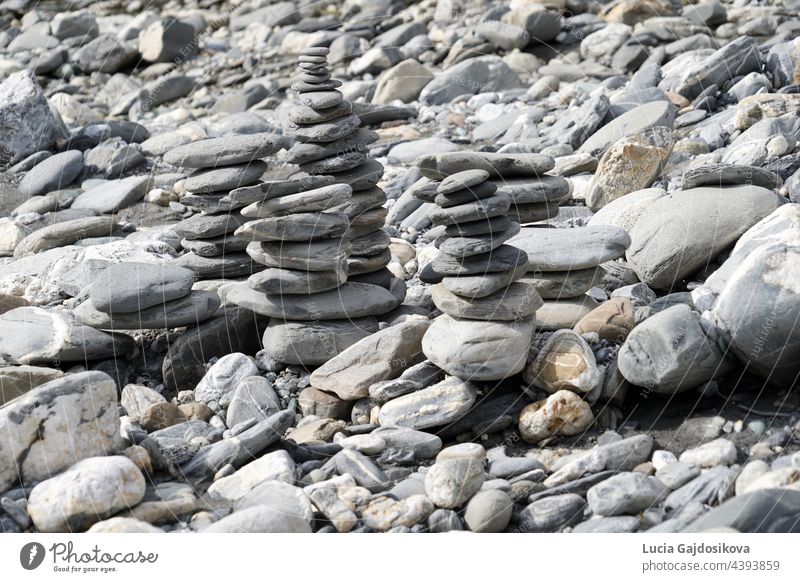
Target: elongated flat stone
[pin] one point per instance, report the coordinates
(316, 255)
(362, 264)
(437, 405)
(278, 188)
(471, 194)
(461, 180)
(63, 234)
(189, 310)
(476, 245)
(566, 249)
(325, 132)
(304, 115)
(310, 201)
(495, 224)
(295, 282)
(321, 99)
(225, 151)
(730, 174)
(296, 227)
(224, 266)
(503, 258)
(302, 153)
(495, 205)
(226, 178)
(208, 225)
(214, 247)
(439, 166)
(349, 300)
(475, 286)
(113, 195)
(130, 287)
(526, 191)
(339, 163)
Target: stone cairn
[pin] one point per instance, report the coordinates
(222, 166)
(488, 316)
(319, 234)
(331, 142)
(145, 296)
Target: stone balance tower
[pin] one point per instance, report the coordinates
(219, 166)
(320, 233)
(485, 331)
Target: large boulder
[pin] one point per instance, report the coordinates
(686, 230)
(89, 491)
(57, 424)
(27, 124)
(752, 299)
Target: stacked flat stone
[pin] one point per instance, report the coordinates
(488, 319)
(219, 166)
(330, 141)
(312, 232)
(564, 263)
(534, 194)
(145, 296)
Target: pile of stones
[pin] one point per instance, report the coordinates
(330, 141)
(488, 316)
(145, 296)
(219, 166)
(320, 234)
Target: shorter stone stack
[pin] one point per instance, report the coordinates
(219, 165)
(488, 318)
(330, 141)
(145, 296)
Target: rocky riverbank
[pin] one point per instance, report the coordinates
(399, 266)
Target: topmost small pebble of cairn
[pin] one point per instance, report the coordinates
(219, 165)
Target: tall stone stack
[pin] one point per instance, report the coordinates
(330, 141)
(319, 234)
(219, 165)
(488, 315)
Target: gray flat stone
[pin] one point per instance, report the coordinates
(186, 311)
(114, 195)
(130, 287)
(296, 227)
(54, 173)
(225, 178)
(565, 249)
(439, 166)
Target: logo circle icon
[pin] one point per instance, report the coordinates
(31, 555)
